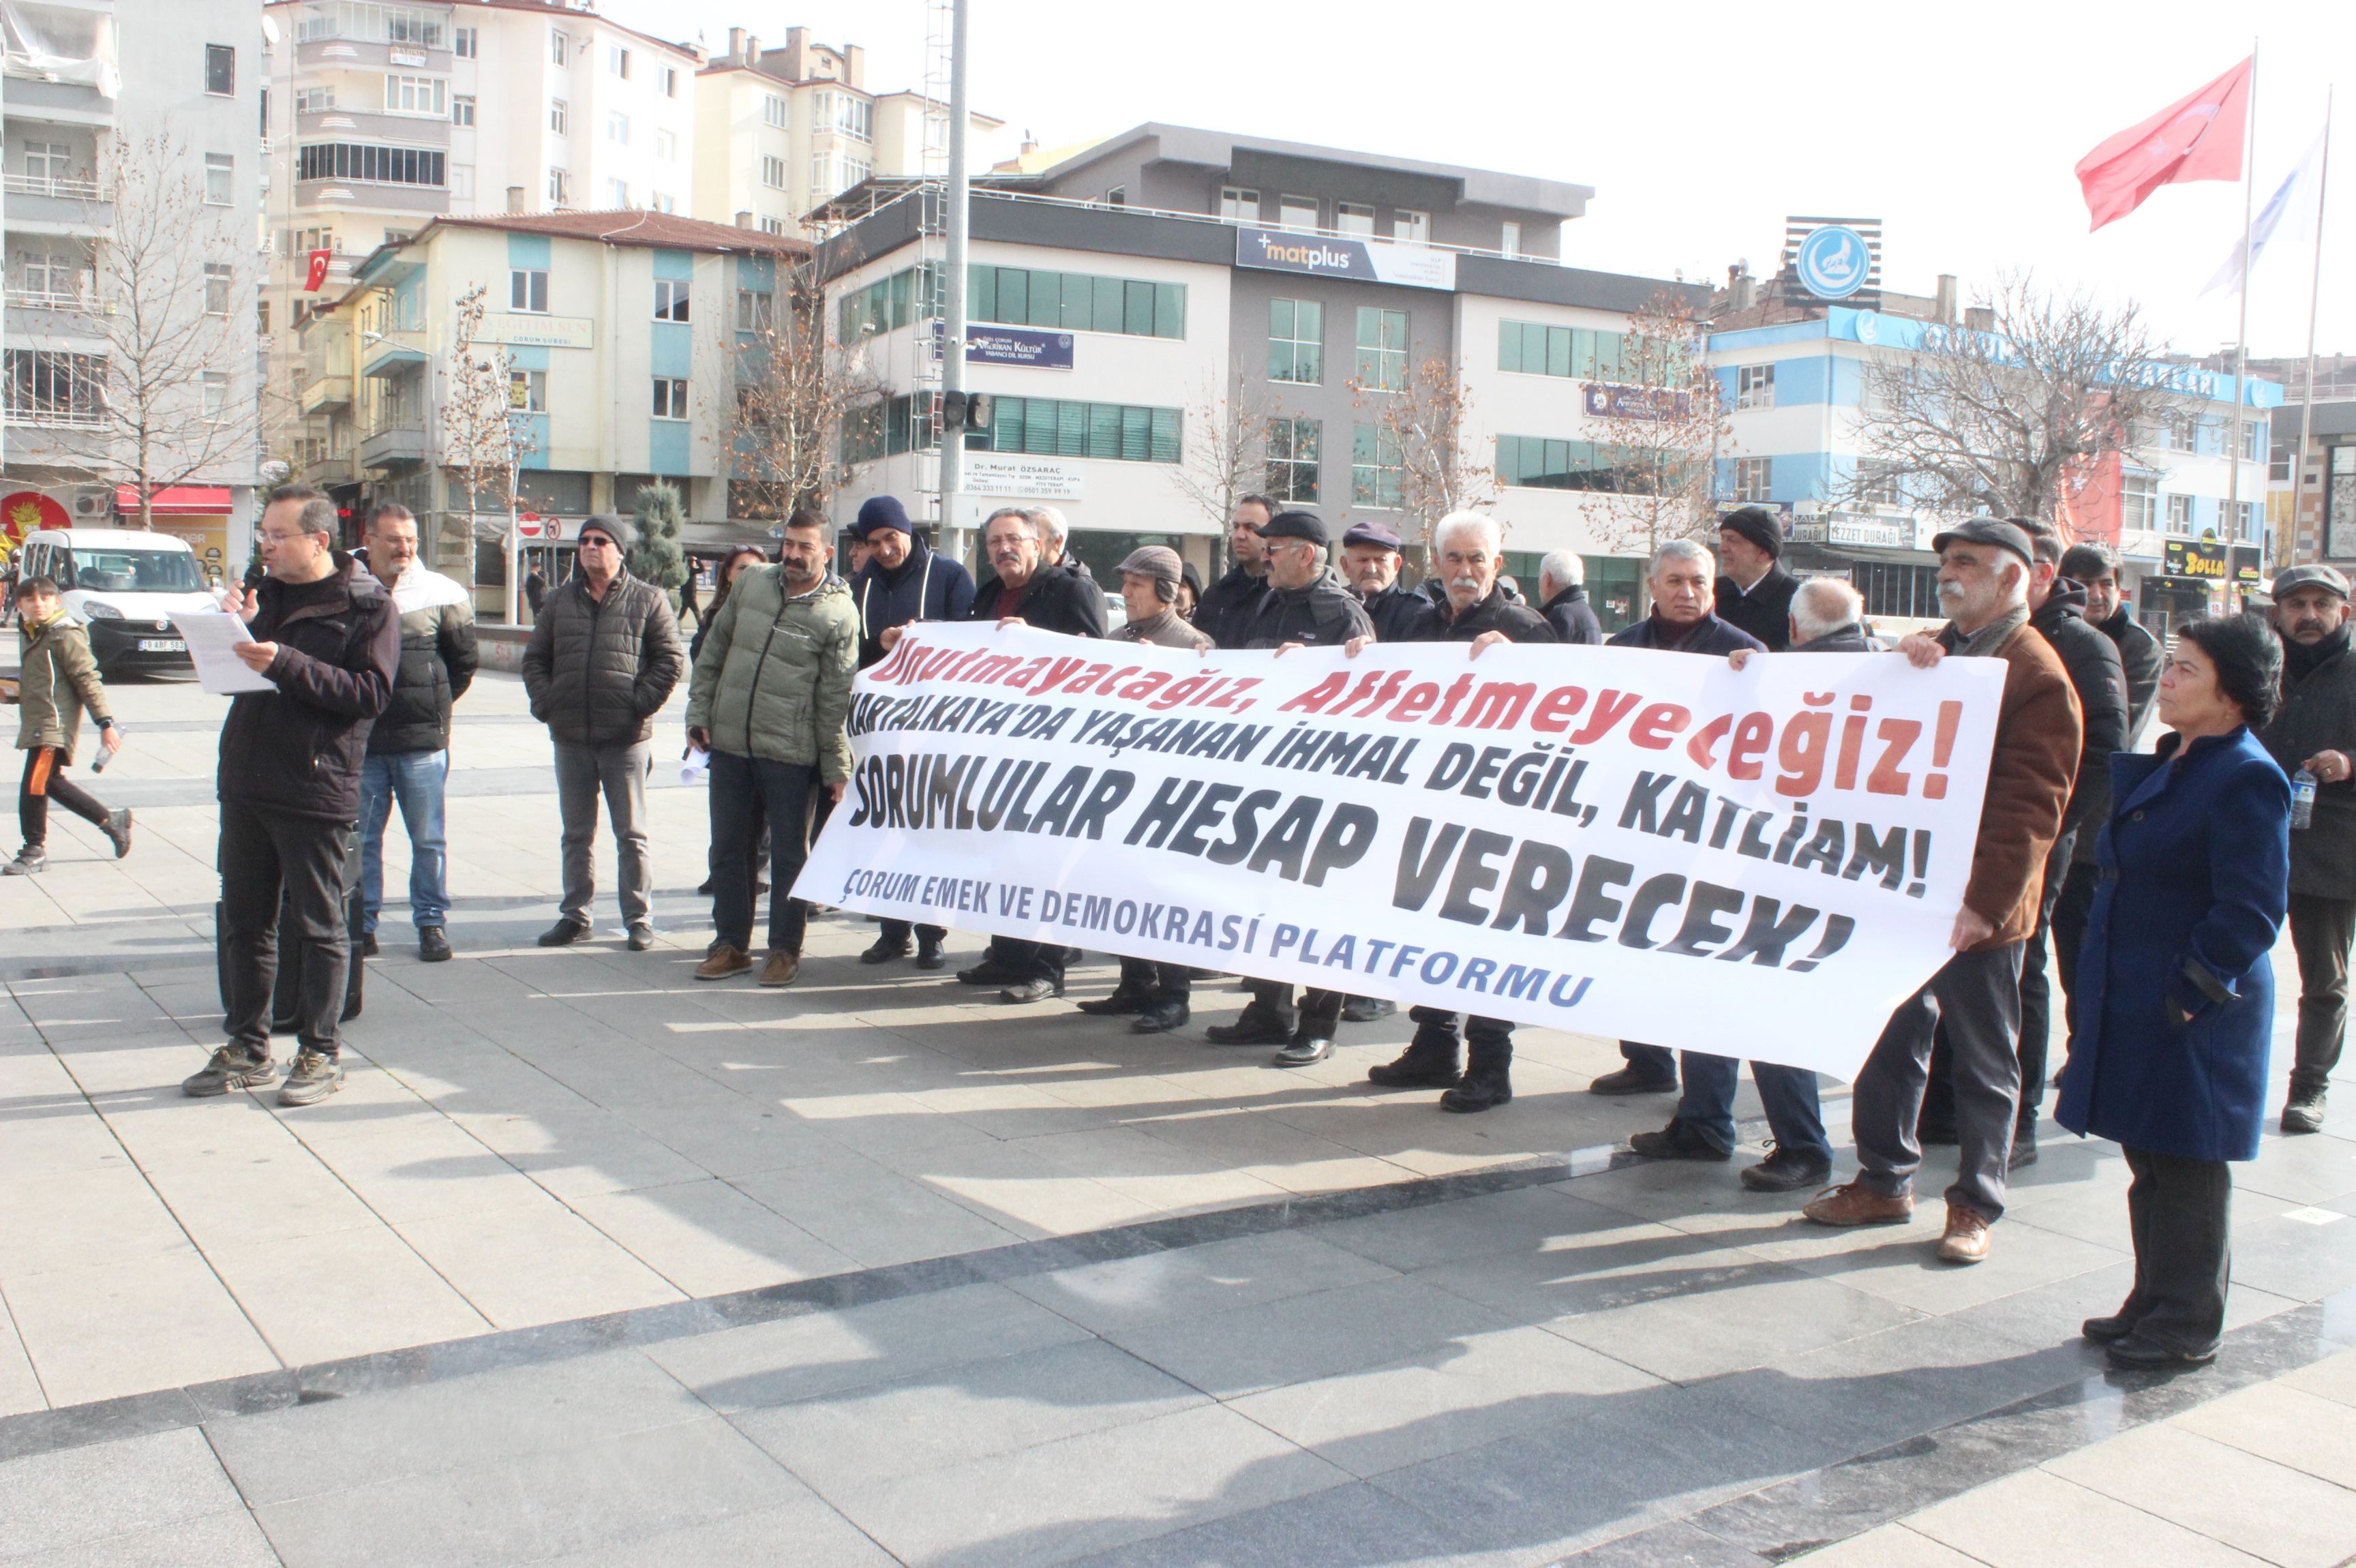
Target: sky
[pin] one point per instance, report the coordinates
(1701, 126)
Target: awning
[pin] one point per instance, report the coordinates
(392, 358)
(1840, 558)
(176, 501)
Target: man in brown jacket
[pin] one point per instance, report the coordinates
(1984, 573)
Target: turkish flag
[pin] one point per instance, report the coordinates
(317, 277)
(2197, 138)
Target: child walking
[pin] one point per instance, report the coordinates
(57, 679)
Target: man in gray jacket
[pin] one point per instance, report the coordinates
(769, 699)
(603, 656)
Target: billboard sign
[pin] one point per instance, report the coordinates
(1340, 256)
(1833, 262)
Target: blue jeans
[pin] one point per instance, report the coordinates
(1789, 1093)
(415, 778)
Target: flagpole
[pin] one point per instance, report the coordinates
(2307, 409)
(2233, 530)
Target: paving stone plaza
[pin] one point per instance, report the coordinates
(589, 1263)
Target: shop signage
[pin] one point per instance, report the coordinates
(1030, 478)
(2201, 558)
(1609, 400)
(1024, 346)
(1883, 532)
(1333, 256)
(1833, 262)
(2249, 565)
(536, 331)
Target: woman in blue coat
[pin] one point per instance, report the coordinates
(2178, 997)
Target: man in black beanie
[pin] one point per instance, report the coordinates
(1755, 592)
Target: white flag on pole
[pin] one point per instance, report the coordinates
(2294, 201)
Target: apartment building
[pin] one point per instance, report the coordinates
(127, 119)
(1128, 298)
(621, 333)
(779, 130)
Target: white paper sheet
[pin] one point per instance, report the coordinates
(210, 634)
(697, 764)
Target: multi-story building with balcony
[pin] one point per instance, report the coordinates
(126, 116)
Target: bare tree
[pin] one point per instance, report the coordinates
(172, 395)
(2009, 413)
(796, 392)
(1420, 427)
(1225, 456)
(1662, 421)
(485, 429)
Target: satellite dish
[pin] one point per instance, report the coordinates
(270, 30)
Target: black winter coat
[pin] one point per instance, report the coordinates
(1849, 638)
(1226, 611)
(2092, 664)
(1398, 614)
(1496, 613)
(2141, 657)
(1572, 618)
(298, 749)
(2319, 713)
(437, 664)
(1707, 635)
(1054, 599)
(928, 587)
(1765, 612)
(597, 671)
(1322, 615)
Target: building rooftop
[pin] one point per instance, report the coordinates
(655, 230)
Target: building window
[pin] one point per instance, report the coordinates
(1354, 219)
(314, 100)
(1296, 340)
(1382, 349)
(1376, 465)
(527, 290)
(220, 179)
(221, 70)
(556, 48)
(1509, 241)
(1754, 479)
(1293, 458)
(1412, 228)
(1533, 349)
(2248, 529)
(464, 41)
(663, 201)
(892, 303)
(1075, 302)
(462, 111)
(773, 173)
(668, 82)
(1060, 427)
(2180, 515)
(48, 388)
(832, 173)
(670, 299)
(670, 397)
(617, 128)
(345, 160)
(425, 96)
(2138, 500)
(1297, 212)
(773, 111)
(1238, 205)
(772, 225)
(215, 394)
(1754, 387)
(755, 309)
(618, 193)
(1880, 484)
(854, 117)
(1545, 463)
(618, 60)
(2253, 440)
(1891, 590)
(667, 145)
(217, 283)
(558, 188)
(1117, 197)
(528, 391)
(560, 118)
(56, 276)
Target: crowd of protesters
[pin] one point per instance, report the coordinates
(2150, 880)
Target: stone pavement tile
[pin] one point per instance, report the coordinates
(1904, 1267)
(2303, 1168)
(953, 1414)
(118, 1328)
(1300, 1338)
(165, 1125)
(736, 1138)
(1189, 1281)
(2285, 1424)
(1139, 1166)
(1085, 1494)
(1595, 1270)
(1890, 1546)
(1521, 1220)
(519, 1266)
(2260, 1508)
(20, 1390)
(830, 1353)
(806, 1533)
(2333, 1378)
(65, 1220)
(2049, 1315)
(1486, 1387)
(76, 1497)
(1014, 1186)
(225, 1198)
(341, 1444)
(345, 1293)
(59, 1136)
(2290, 1256)
(1341, 1527)
(229, 1540)
(1675, 1544)
(873, 1214)
(708, 1238)
(1758, 1318)
(513, 1507)
(430, 1170)
(2021, 1520)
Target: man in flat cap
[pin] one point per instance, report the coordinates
(1985, 569)
(2316, 729)
(1370, 560)
(1754, 592)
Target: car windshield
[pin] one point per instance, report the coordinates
(136, 571)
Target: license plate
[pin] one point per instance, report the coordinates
(163, 645)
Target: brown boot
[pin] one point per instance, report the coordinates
(1852, 1203)
(783, 969)
(723, 961)
(1966, 1241)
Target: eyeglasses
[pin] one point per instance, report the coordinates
(595, 541)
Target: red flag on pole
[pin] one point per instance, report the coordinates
(317, 278)
(2198, 138)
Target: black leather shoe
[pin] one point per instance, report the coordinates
(433, 947)
(2110, 1330)
(1677, 1141)
(1303, 1050)
(988, 971)
(2304, 1112)
(1366, 1009)
(1031, 991)
(1788, 1170)
(1160, 1018)
(642, 938)
(1483, 1091)
(2138, 1354)
(1628, 1080)
(1428, 1062)
(564, 933)
(1255, 1025)
(368, 945)
(1122, 1003)
(929, 954)
(2024, 1148)
(885, 950)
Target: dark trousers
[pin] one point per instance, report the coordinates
(269, 857)
(1795, 1112)
(1489, 1041)
(1029, 960)
(46, 781)
(897, 931)
(1321, 1013)
(2319, 931)
(2072, 912)
(1272, 996)
(1656, 1062)
(2181, 1212)
(1977, 995)
(2036, 1013)
(782, 790)
(1158, 981)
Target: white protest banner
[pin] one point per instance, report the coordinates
(1648, 845)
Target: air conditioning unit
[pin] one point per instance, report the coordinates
(92, 505)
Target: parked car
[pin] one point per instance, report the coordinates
(124, 585)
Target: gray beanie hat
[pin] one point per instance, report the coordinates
(616, 529)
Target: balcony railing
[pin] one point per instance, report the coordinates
(65, 190)
(54, 418)
(32, 299)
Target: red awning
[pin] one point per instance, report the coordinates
(177, 500)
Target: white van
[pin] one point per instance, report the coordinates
(124, 585)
